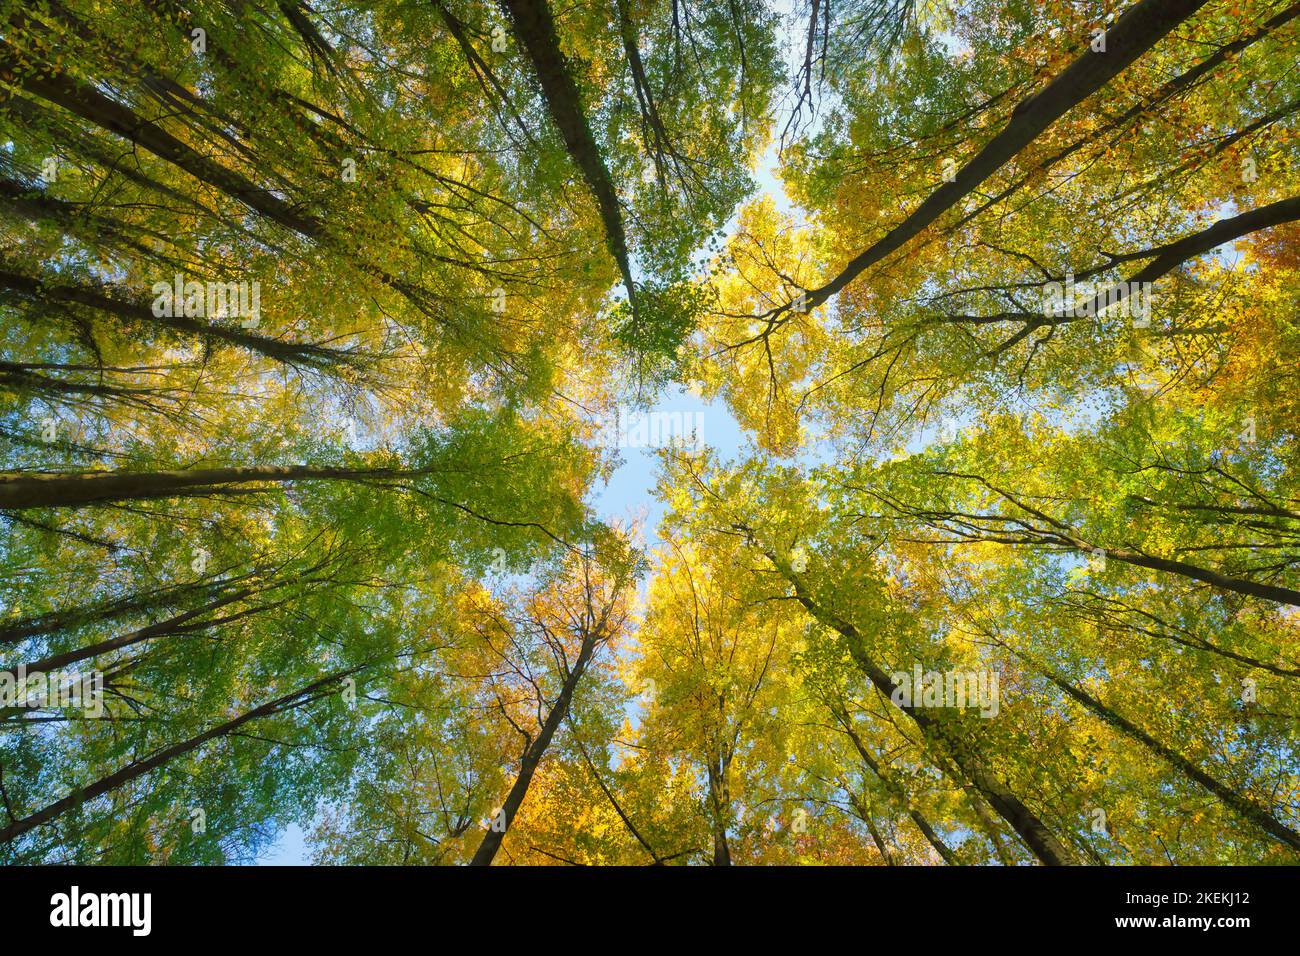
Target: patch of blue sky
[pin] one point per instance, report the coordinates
(289, 849)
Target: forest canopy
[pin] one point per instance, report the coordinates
(316, 315)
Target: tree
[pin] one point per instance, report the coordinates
(312, 319)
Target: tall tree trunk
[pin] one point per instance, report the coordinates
(980, 807)
(1040, 840)
(26, 490)
(35, 205)
(1138, 29)
(18, 631)
(1238, 803)
(533, 754)
(90, 104)
(535, 28)
(130, 311)
(139, 768)
(927, 831)
(1184, 81)
(1226, 582)
(864, 814)
(173, 625)
(720, 801)
(1058, 533)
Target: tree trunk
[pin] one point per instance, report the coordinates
(139, 768)
(535, 28)
(173, 625)
(87, 102)
(24, 490)
(1241, 805)
(1138, 29)
(130, 312)
(927, 831)
(1040, 840)
(1179, 84)
(720, 799)
(18, 631)
(487, 850)
(1268, 592)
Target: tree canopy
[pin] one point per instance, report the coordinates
(315, 317)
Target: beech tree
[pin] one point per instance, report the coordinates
(314, 320)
